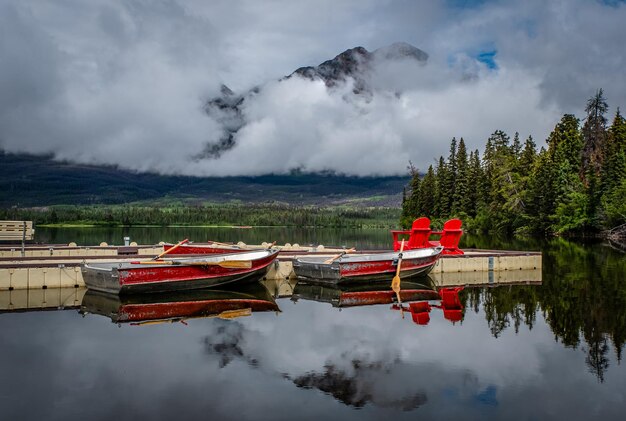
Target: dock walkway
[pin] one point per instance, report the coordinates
(58, 266)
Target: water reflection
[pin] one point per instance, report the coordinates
(514, 345)
(417, 299)
(143, 309)
(352, 295)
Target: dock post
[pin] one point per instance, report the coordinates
(23, 237)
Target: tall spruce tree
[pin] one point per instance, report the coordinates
(451, 177)
(460, 202)
(613, 181)
(413, 200)
(594, 134)
(505, 198)
(614, 166)
(474, 185)
(516, 146)
(442, 199)
(427, 193)
(527, 157)
(541, 205)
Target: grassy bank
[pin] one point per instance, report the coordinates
(227, 215)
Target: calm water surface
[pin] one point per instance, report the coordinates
(549, 351)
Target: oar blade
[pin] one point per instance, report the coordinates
(395, 283)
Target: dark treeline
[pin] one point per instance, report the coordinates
(575, 185)
(254, 215)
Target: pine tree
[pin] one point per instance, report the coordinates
(460, 202)
(427, 193)
(414, 198)
(542, 192)
(527, 157)
(442, 200)
(516, 146)
(614, 167)
(505, 202)
(613, 181)
(404, 216)
(474, 185)
(594, 133)
(488, 165)
(451, 177)
(565, 142)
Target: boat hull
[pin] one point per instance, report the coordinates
(356, 268)
(119, 278)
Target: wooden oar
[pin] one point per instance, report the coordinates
(395, 282)
(332, 259)
(171, 249)
(231, 264)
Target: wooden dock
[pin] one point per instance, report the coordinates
(58, 266)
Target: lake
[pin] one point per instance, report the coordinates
(548, 351)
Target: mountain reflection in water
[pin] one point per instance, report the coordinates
(544, 345)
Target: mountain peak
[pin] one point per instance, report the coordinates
(400, 50)
(355, 63)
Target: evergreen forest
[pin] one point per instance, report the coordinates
(574, 185)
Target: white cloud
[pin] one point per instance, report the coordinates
(124, 82)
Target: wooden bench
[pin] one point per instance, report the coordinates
(17, 231)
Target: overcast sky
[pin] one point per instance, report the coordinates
(124, 82)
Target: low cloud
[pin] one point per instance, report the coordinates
(125, 83)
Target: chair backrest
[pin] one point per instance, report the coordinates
(420, 231)
(451, 234)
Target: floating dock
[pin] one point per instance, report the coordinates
(58, 266)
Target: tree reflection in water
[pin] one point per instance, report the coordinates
(582, 298)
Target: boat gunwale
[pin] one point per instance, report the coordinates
(209, 258)
(370, 257)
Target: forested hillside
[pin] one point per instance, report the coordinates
(34, 180)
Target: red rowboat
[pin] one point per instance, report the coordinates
(177, 273)
(367, 267)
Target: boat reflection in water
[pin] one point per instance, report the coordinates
(417, 298)
(140, 309)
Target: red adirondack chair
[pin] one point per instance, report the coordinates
(418, 235)
(449, 237)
